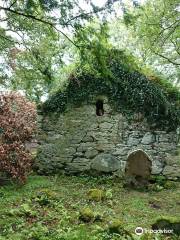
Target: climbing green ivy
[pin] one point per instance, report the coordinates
(127, 89)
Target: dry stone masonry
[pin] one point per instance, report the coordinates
(80, 141)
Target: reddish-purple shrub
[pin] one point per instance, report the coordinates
(17, 125)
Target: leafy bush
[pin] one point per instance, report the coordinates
(17, 125)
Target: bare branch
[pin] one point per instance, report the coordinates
(84, 15)
(13, 4)
(8, 39)
(39, 20)
(166, 58)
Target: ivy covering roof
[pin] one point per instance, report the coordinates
(128, 91)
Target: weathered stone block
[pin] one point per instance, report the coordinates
(157, 167)
(166, 147)
(172, 172)
(106, 125)
(83, 147)
(133, 141)
(173, 160)
(88, 139)
(78, 165)
(121, 151)
(148, 138)
(105, 163)
(104, 147)
(91, 153)
(80, 161)
(68, 151)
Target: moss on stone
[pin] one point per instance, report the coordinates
(96, 194)
(86, 215)
(45, 196)
(115, 226)
(167, 223)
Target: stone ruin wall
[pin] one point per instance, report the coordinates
(79, 141)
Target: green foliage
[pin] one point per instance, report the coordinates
(32, 5)
(160, 183)
(17, 126)
(38, 28)
(45, 33)
(45, 197)
(157, 25)
(127, 89)
(23, 210)
(94, 39)
(150, 31)
(36, 68)
(161, 180)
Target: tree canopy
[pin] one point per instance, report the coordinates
(43, 42)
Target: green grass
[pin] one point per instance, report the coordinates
(47, 208)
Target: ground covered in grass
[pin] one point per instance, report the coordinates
(66, 207)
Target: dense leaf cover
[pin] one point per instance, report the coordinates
(17, 125)
(127, 89)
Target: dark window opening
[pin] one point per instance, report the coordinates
(99, 108)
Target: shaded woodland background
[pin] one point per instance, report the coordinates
(43, 42)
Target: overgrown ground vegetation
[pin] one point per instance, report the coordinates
(49, 208)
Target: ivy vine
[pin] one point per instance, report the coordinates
(127, 89)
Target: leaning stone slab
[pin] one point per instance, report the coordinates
(138, 164)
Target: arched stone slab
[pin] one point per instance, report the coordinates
(138, 165)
